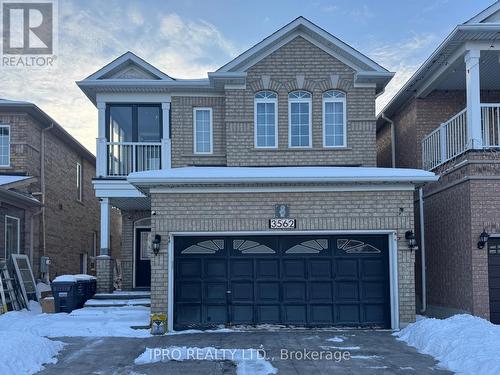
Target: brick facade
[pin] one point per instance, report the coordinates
(219, 212)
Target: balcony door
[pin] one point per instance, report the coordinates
(134, 133)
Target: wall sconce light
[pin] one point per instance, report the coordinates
(410, 237)
(156, 244)
(483, 238)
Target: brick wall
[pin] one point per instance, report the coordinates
(384, 152)
(313, 211)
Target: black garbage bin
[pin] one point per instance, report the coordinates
(65, 292)
(89, 286)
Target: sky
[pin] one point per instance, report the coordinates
(187, 39)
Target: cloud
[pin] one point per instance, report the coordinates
(404, 58)
(90, 37)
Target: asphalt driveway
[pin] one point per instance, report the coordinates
(369, 352)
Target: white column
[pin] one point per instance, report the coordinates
(473, 99)
(101, 147)
(105, 218)
(166, 145)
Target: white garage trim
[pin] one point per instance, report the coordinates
(393, 262)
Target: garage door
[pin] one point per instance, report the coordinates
(292, 280)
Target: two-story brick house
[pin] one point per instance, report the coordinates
(253, 196)
(446, 119)
(47, 204)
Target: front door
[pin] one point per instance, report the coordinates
(142, 255)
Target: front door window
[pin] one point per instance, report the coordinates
(12, 236)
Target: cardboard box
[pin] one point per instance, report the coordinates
(48, 306)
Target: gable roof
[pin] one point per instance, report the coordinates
(126, 60)
(485, 15)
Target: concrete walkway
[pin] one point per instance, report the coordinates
(370, 352)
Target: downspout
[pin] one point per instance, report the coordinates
(42, 185)
(31, 235)
(393, 140)
(422, 248)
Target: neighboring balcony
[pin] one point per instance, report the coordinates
(452, 138)
(128, 157)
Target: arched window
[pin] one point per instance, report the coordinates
(299, 119)
(334, 119)
(266, 119)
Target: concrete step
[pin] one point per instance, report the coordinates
(123, 295)
(118, 302)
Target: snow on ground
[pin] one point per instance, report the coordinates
(25, 353)
(89, 321)
(462, 343)
(248, 361)
(336, 339)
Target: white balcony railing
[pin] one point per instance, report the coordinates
(451, 138)
(128, 157)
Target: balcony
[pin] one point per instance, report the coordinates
(128, 157)
(452, 138)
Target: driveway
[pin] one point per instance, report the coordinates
(369, 352)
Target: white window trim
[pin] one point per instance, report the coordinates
(195, 109)
(79, 181)
(266, 100)
(344, 105)
(8, 153)
(18, 220)
(299, 100)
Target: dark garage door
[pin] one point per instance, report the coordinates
(494, 278)
(293, 280)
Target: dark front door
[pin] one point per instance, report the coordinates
(142, 254)
(494, 278)
(293, 280)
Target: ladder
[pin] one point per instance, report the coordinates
(6, 286)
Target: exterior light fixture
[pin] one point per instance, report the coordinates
(483, 238)
(410, 237)
(156, 244)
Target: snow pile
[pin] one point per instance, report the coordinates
(463, 343)
(65, 279)
(89, 321)
(25, 353)
(248, 361)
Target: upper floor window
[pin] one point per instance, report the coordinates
(334, 119)
(203, 137)
(299, 119)
(4, 145)
(134, 123)
(266, 117)
(79, 184)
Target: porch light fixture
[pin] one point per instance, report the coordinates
(410, 237)
(156, 244)
(483, 238)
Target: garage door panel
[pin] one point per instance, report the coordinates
(268, 291)
(241, 268)
(346, 268)
(267, 268)
(269, 314)
(189, 268)
(242, 314)
(320, 269)
(216, 314)
(215, 268)
(373, 268)
(320, 314)
(189, 291)
(373, 290)
(374, 312)
(346, 290)
(295, 314)
(320, 291)
(347, 314)
(294, 292)
(188, 314)
(294, 268)
(215, 292)
(242, 291)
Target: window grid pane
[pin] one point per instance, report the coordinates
(203, 136)
(334, 123)
(299, 124)
(4, 146)
(266, 124)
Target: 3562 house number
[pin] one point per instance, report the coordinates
(282, 223)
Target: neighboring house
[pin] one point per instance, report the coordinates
(47, 204)
(446, 119)
(253, 196)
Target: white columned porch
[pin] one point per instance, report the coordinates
(105, 219)
(166, 146)
(101, 147)
(473, 89)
